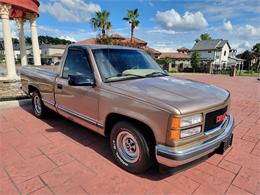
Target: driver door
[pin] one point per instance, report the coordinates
(78, 103)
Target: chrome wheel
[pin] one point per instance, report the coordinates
(127, 147)
(37, 104)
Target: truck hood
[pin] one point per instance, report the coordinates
(184, 95)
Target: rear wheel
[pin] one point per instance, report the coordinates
(38, 106)
(130, 148)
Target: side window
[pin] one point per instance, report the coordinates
(76, 63)
(225, 53)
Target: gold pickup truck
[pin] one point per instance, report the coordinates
(122, 93)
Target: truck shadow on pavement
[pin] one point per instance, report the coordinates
(100, 144)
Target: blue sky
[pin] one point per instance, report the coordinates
(164, 24)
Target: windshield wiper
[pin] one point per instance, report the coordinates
(135, 75)
(122, 77)
(159, 73)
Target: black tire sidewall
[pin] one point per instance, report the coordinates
(144, 161)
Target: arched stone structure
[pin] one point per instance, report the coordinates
(20, 11)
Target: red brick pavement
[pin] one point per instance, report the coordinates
(56, 156)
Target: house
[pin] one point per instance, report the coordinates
(117, 39)
(51, 54)
(214, 52)
(152, 52)
(250, 59)
(234, 61)
(179, 60)
(183, 50)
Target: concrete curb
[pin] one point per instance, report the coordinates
(15, 103)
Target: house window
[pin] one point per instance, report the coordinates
(217, 55)
(225, 53)
(209, 51)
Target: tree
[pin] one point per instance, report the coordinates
(101, 22)
(256, 48)
(203, 37)
(132, 19)
(28, 40)
(195, 60)
(15, 41)
(48, 40)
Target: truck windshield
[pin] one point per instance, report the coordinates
(122, 64)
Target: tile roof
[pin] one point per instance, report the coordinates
(151, 50)
(183, 49)
(175, 55)
(88, 41)
(117, 36)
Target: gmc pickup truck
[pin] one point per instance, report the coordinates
(122, 93)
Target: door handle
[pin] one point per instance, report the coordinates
(59, 86)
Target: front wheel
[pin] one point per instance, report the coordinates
(130, 148)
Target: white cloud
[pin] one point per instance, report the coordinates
(242, 46)
(162, 31)
(215, 10)
(14, 29)
(228, 25)
(69, 38)
(171, 19)
(70, 11)
(151, 4)
(249, 31)
(71, 34)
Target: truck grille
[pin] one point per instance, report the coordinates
(211, 119)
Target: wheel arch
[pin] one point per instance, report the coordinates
(113, 118)
(32, 88)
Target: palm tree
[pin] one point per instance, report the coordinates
(132, 18)
(100, 21)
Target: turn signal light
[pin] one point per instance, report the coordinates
(175, 135)
(175, 123)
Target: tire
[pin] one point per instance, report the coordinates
(39, 108)
(131, 149)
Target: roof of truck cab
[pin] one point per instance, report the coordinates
(99, 46)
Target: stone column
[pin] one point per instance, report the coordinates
(20, 22)
(35, 42)
(8, 44)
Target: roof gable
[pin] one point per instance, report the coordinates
(210, 44)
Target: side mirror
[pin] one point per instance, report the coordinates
(81, 80)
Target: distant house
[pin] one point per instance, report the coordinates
(51, 54)
(180, 60)
(233, 60)
(250, 59)
(120, 40)
(215, 51)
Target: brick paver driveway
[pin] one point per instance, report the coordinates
(56, 156)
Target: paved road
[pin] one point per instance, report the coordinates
(56, 156)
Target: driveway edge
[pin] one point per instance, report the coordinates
(14, 103)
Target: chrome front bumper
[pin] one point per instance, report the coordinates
(172, 158)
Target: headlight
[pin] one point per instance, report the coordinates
(191, 120)
(190, 131)
(179, 122)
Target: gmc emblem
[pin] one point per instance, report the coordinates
(220, 117)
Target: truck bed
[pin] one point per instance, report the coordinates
(42, 78)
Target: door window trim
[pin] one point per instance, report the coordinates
(84, 52)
